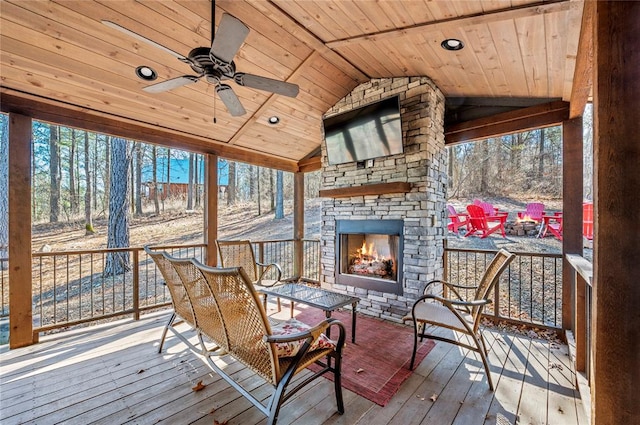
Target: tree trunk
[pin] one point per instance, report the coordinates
(138, 186)
(484, 166)
(259, 193)
(54, 164)
(154, 162)
(88, 222)
(167, 194)
(118, 228)
(271, 191)
(107, 175)
(279, 195)
(190, 183)
(231, 189)
(4, 190)
(95, 173)
(540, 153)
(73, 197)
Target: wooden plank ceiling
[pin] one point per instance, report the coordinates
(58, 53)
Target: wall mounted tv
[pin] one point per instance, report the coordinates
(371, 131)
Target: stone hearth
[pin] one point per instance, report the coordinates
(419, 205)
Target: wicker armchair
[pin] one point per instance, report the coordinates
(457, 314)
(182, 310)
(228, 313)
(240, 254)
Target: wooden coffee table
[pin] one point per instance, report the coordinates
(325, 300)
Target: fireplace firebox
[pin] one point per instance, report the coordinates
(369, 254)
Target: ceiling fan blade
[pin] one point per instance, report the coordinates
(146, 40)
(267, 84)
(230, 100)
(171, 84)
(229, 37)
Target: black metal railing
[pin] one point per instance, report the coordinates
(73, 287)
(529, 291)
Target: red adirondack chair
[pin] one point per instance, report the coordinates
(483, 224)
(587, 220)
(534, 211)
(457, 220)
(553, 224)
(490, 210)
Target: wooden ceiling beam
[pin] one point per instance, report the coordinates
(524, 119)
(73, 116)
(445, 25)
(310, 164)
(583, 74)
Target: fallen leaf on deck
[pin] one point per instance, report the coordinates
(420, 397)
(219, 423)
(199, 386)
(140, 371)
(433, 397)
(555, 366)
(359, 370)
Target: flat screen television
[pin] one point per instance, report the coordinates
(371, 131)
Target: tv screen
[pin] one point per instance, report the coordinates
(370, 131)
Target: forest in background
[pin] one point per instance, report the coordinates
(525, 165)
(80, 176)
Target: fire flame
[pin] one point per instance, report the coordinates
(367, 252)
(526, 218)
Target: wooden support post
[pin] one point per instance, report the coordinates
(572, 183)
(211, 209)
(616, 292)
(298, 223)
(20, 305)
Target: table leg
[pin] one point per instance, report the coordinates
(353, 322)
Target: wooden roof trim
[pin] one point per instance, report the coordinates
(64, 114)
(310, 164)
(448, 24)
(524, 119)
(583, 74)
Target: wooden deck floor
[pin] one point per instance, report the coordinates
(112, 374)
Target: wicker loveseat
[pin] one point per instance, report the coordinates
(229, 319)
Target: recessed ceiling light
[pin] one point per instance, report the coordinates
(273, 120)
(146, 73)
(452, 44)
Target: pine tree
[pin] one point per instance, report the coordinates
(279, 195)
(88, 222)
(118, 228)
(4, 189)
(54, 172)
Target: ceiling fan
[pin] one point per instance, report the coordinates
(216, 64)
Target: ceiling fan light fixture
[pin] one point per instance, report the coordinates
(146, 73)
(452, 44)
(273, 120)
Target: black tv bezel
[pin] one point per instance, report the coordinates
(369, 109)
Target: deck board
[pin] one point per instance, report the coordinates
(112, 373)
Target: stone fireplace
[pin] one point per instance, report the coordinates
(383, 221)
(369, 254)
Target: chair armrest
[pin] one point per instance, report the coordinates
(449, 284)
(449, 301)
(265, 270)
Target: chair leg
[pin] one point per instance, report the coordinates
(415, 342)
(483, 355)
(337, 380)
(164, 331)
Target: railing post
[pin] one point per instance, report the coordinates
(445, 268)
(136, 284)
